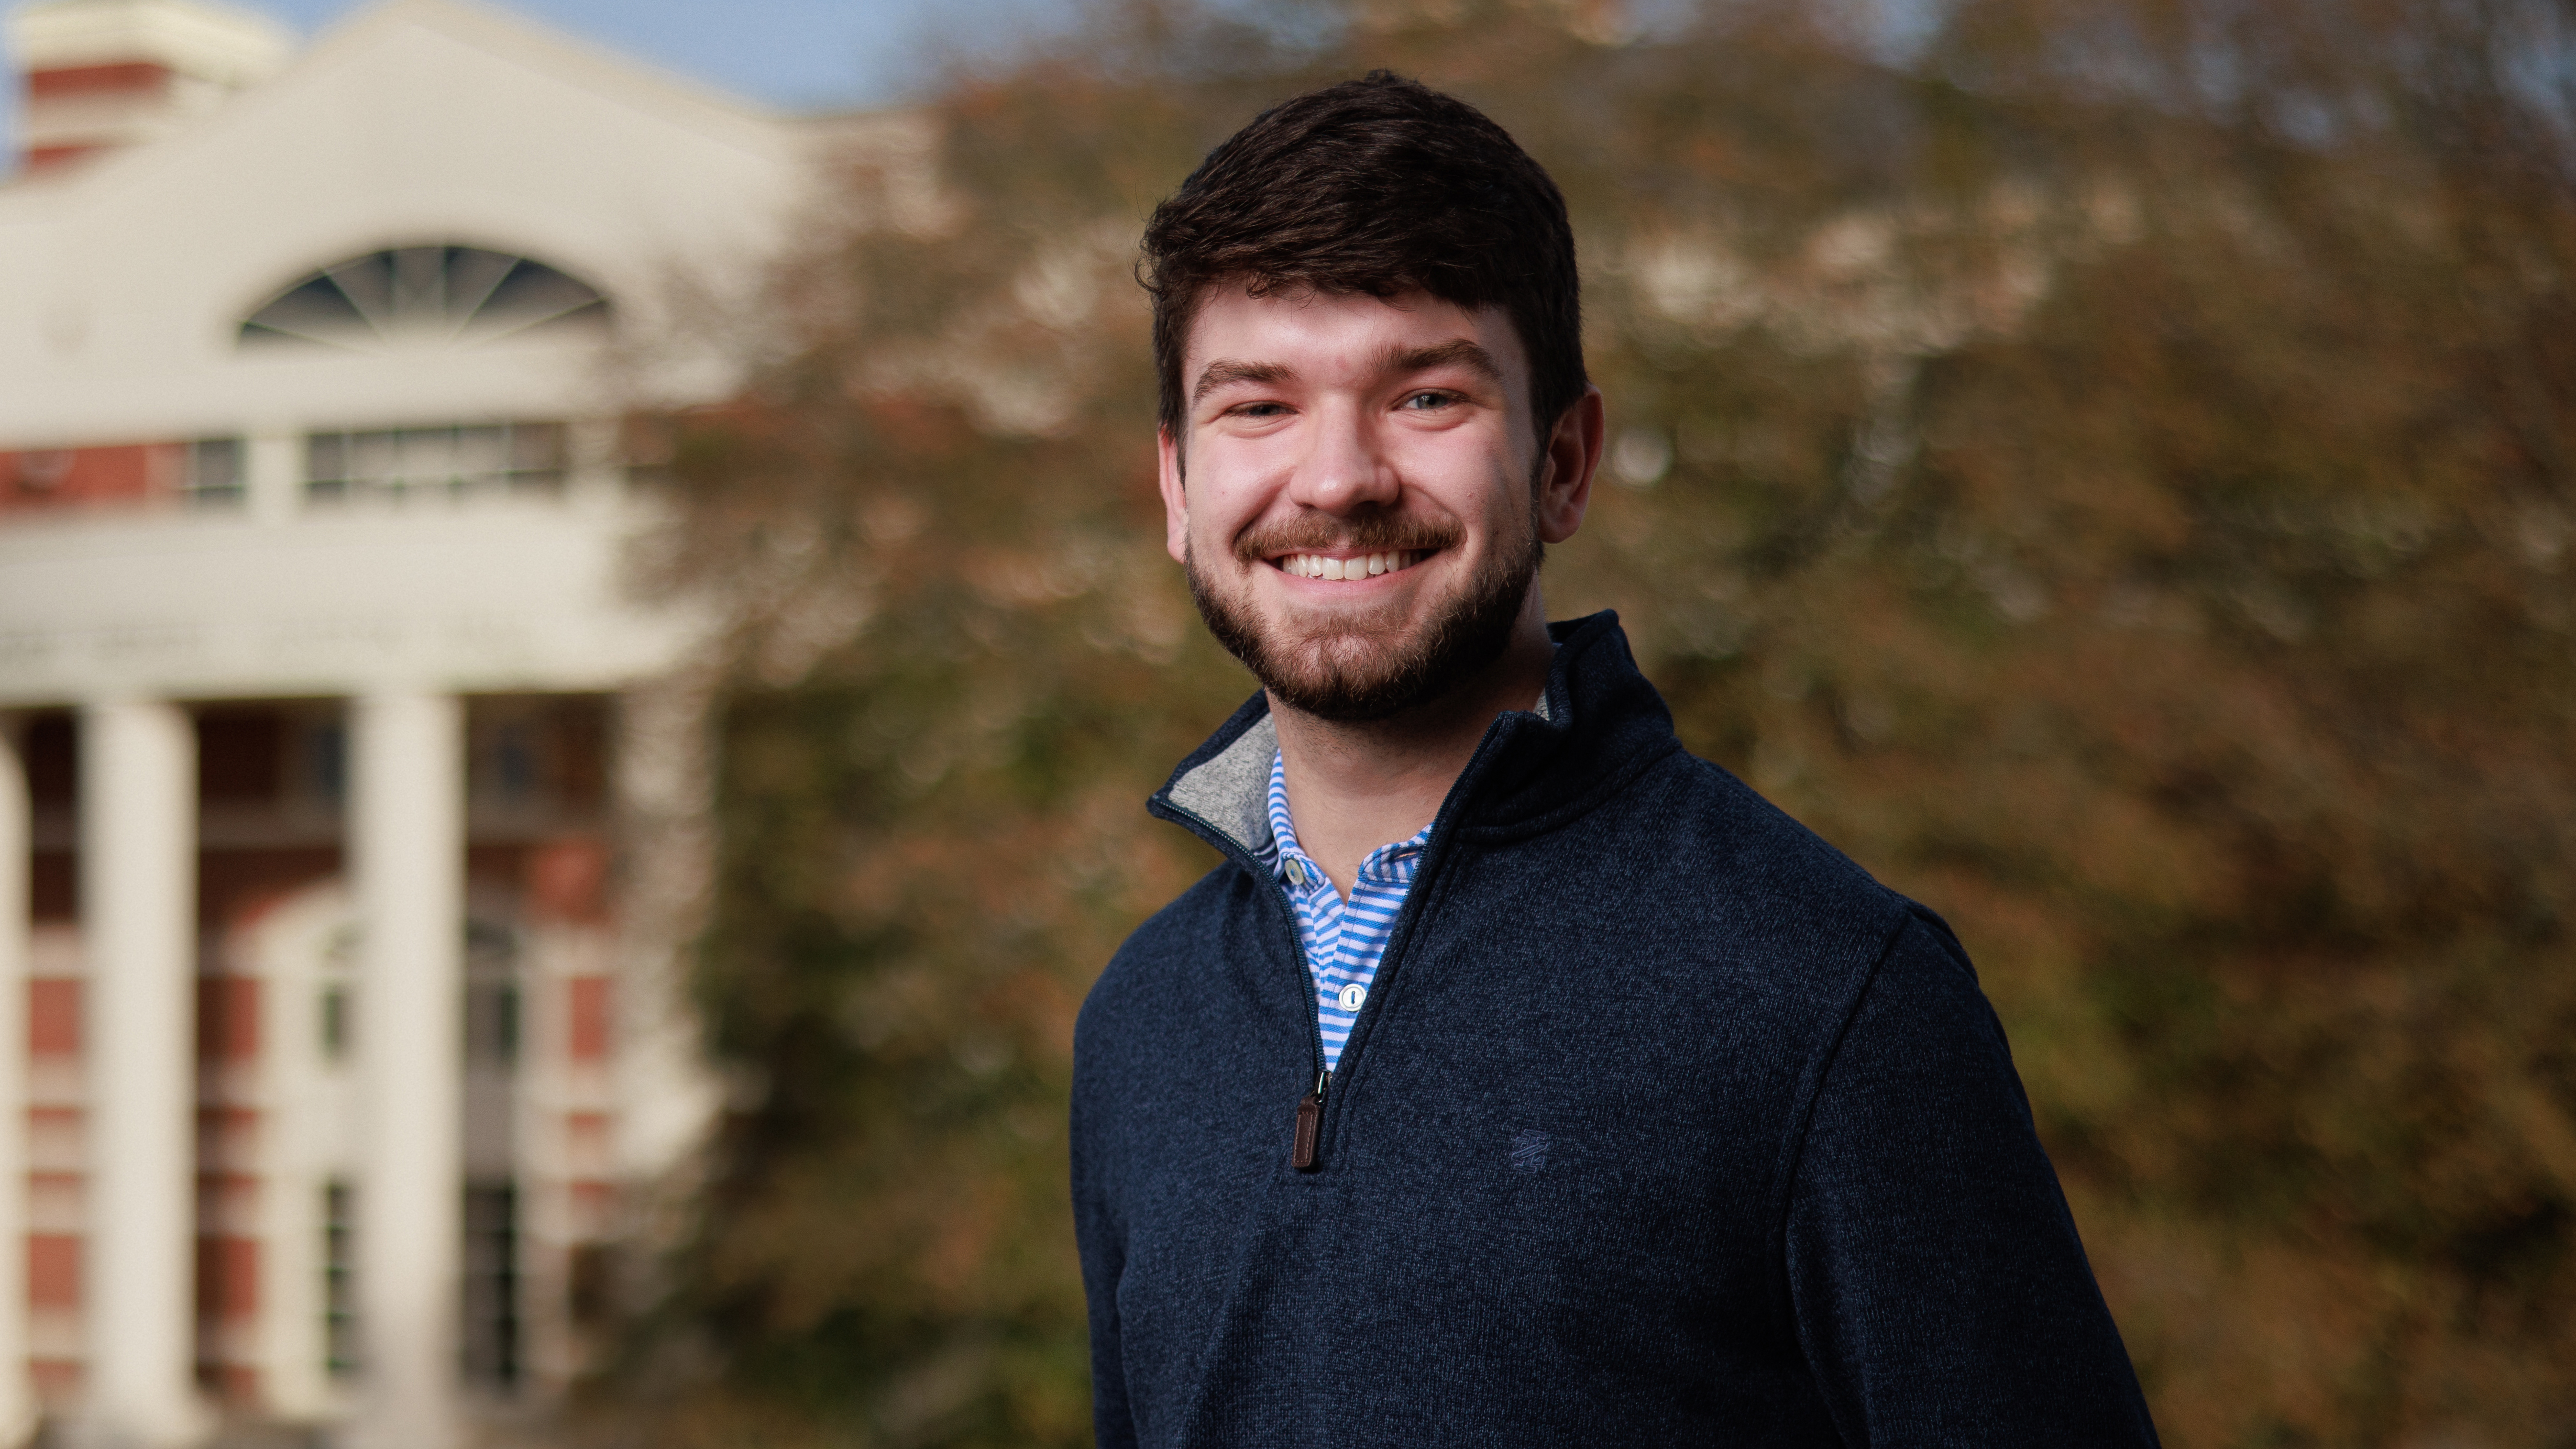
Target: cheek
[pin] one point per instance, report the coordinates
(1210, 526)
(1228, 489)
(1484, 487)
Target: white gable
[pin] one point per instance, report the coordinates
(419, 125)
(123, 283)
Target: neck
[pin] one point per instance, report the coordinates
(1355, 787)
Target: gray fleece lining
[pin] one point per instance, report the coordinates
(1232, 791)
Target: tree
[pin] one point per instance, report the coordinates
(2107, 467)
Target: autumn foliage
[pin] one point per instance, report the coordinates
(2110, 467)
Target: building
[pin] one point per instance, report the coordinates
(358, 821)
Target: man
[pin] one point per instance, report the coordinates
(1518, 1079)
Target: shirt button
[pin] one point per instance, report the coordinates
(1353, 995)
(1296, 873)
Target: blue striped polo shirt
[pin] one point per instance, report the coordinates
(1344, 940)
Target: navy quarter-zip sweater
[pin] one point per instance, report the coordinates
(1664, 1124)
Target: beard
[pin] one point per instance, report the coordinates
(1360, 668)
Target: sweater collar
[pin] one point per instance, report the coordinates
(1602, 722)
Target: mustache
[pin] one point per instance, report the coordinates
(1368, 533)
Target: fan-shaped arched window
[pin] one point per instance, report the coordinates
(425, 296)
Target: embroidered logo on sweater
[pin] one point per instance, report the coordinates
(1529, 1150)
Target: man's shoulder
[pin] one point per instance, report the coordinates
(1693, 878)
(1721, 842)
(1189, 922)
(1160, 956)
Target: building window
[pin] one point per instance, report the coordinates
(333, 1016)
(492, 1284)
(321, 765)
(446, 461)
(436, 296)
(210, 472)
(44, 470)
(339, 1294)
(335, 1023)
(590, 1287)
(492, 1022)
(516, 764)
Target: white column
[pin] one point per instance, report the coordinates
(667, 1097)
(308, 1140)
(408, 846)
(138, 804)
(592, 475)
(17, 1396)
(273, 474)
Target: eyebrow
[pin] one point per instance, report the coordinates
(1225, 373)
(1457, 352)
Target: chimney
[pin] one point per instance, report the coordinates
(98, 74)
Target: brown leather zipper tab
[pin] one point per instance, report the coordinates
(1310, 1120)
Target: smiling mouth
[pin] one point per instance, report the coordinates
(1362, 566)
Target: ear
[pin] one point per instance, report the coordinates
(1176, 503)
(1573, 456)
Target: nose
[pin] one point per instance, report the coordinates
(1345, 467)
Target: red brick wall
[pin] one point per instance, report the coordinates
(227, 1018)
(567, 880)
(128, 77)
(233, 885)
(53, 1017)
(589, 1018)
(140, 81)
(53, 1270)
(45, 158)
(227, 1277)
(76, 477)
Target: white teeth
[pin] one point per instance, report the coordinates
(1368, 566)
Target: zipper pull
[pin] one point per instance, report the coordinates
(1310, 1120)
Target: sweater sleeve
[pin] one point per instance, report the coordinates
(1104, 1258)
(1940, 1292)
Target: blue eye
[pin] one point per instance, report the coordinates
(1424, 400)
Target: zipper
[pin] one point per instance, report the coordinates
(1304, 1152)
(1310, 1123)
(1310, 1108)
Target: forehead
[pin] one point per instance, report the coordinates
(1319, 334)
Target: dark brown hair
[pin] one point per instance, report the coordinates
(1379, 186)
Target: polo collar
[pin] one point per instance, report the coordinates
(1598, 723)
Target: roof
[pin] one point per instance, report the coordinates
(123, 282)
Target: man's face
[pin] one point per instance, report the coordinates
(1365, 498)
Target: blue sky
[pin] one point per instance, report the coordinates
(799, 54)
